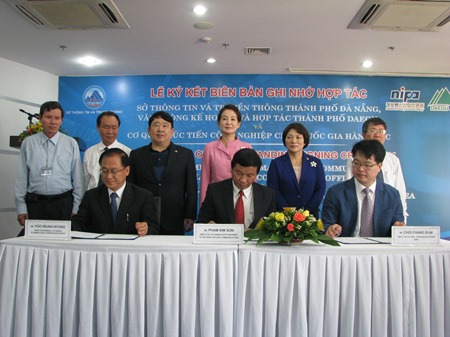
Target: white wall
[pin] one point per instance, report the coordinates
(26, 88)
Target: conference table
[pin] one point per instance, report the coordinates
(168, 286)
(151, 286)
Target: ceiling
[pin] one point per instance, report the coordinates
(310, 35)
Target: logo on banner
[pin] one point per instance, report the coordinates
(440, 100)
(407, 100)
(94, 97)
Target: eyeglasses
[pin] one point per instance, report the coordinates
(366, 166)
(374, 131)
(113, 172)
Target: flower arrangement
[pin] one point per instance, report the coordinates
(289, 226)
(31, 129)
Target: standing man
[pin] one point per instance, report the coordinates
(364, 205)
(168, 171)
(108, 124)
(49, 181)
(376, 128)
(221, 204)
(116, 206)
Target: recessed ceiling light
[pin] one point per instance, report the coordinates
(89, 61)
(200, 10)
(211, 60)
(367, 64)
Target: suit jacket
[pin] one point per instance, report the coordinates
(177, 188)
(341, 206)
(136, 205)
(289, 192)
(218, 205)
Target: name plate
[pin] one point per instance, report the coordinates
(218, 233)
(418, 235)
(48, 229)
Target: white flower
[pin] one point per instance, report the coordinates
(313, 164)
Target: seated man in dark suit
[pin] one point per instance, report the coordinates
(363, 205)
(117, 206)
(222, 197)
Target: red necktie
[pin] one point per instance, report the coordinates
(239, 216)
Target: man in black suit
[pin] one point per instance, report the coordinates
(168, 171)
(133, 210)
(221, 197)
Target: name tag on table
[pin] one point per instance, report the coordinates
(418, 235)
(47, 229)
(218, 233)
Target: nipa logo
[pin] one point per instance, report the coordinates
(440, 100)
(405, 95)
(94, 97)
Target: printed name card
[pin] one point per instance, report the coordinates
(218, 233)
(419, 235)
(47, 229)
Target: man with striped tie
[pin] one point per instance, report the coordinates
(364, 205)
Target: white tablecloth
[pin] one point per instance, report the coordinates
(153, 286)
(354, 290)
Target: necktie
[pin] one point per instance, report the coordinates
(114, 206)
(239, 216)
(366, 229)
(100, 180)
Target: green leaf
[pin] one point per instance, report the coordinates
(327, 240)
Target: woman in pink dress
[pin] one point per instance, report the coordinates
(217, 155)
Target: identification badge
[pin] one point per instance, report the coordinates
(46, 171)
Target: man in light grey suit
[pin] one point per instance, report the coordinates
(342, 207)
(221, 197)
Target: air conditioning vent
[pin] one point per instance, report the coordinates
(257, 51)
(402, 15)
(71, 14)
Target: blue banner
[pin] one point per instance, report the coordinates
(333, 109)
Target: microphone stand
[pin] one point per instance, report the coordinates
(30, 116)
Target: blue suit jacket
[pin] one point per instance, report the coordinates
(308, 194)
(341, 207)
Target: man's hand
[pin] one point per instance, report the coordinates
(334, 230)
(399, 223)
(188, 224)
(21, 218)
(142, 228)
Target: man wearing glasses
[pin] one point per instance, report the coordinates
(117, 206)
(375, 128)
(364, 205)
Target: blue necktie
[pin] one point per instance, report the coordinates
(114, 205)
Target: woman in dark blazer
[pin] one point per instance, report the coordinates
(297, 178)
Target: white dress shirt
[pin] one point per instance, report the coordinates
(249, 212)
(360, 195)
(91, 166)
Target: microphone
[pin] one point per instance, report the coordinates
(29, 114)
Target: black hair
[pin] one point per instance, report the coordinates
(369, 148)
(124, 159)
(374, 121)
(300, 129)
(50, 105)
(246, 157)
(107, 113)
(164, 115)
(229, 107)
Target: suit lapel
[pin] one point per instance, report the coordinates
(148, 159)
(172, 160)
(125, 205)
(105, 205)
(378, 205)
(352, 200)
(290, 171)
(229, 201)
